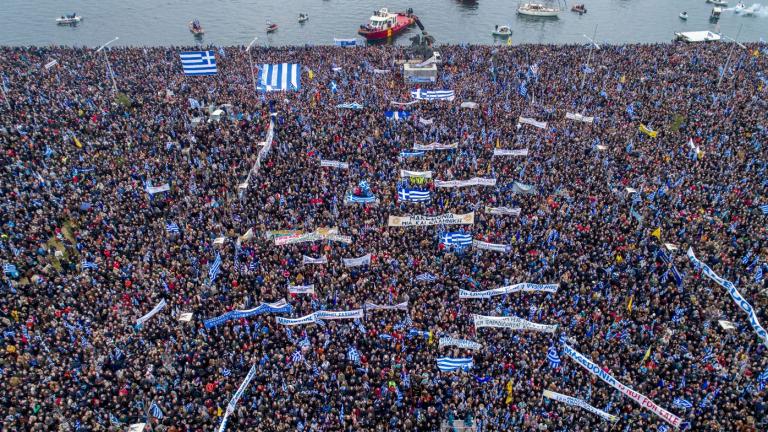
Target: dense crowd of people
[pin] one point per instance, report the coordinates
(86, 250)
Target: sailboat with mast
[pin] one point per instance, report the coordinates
(548, 9)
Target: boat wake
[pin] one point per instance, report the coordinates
(756, 10)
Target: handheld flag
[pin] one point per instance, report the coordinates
(198, 63)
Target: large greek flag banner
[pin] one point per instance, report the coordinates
(420, 94)
(511, 322)
(735, 295)
(448, 364)
(198, 63)
(579, 403)
(627, 391)
(521, 287)
(283, 76)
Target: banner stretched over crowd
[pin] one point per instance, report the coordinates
(151, 313)
(356, 262)
(236, 398)
(474, 181)
(521, 287)
(461, 343)
(511, 322)
(306, 319)
(319, 234)
(157, 189)
(301, 289)
(418, 174)
(373, 306)
(419, 220)
(491, 246)
(507, 211)
(309, 260)
(579, 403)
(334, 315)
(280, 306)
(532, 122)
(510, 152)
(435, 146)
(735, 295)
(579, 117)
(627, 391)
(334, 164)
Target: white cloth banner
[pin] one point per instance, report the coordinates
(510, 152)
(404, 103)
(627, 391)
(301, 289)
(507, 211)
(426, 122)
(461, 343)
(419, 174)
(532, 122)
(238, 394)
(444, 219)
(151, 313)
(522, 188)
(569, 400)
(381, 71)
(435, 146)
(579, 117)
(399, 306)
(735, 295)
(319, 234)
(356, 262)
(309, 260)
(334, 315)
(306, 319)
(474, 181)
(491, 246)
(51, 64)
(155, 189)
(470, 105)
(334, 164)
(511, 322)
(521, 287)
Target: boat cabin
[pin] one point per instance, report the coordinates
(716, 11)
(382, 19)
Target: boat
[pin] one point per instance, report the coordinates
(69, 19)
(743, 10)
(715, 14)
(538, 9)
(579, 8)
(196, 28)
(385, 24)
(502, 30)
(697, 36)
(303, 17)
(271, 27)
(683, 15)
(718, 2)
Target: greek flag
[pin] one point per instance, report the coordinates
(89, 265)
(334, 87)
(297, 357)
(198, 63)
(155, 411)
(353, 105)
(663, 428)
(448, 364)
(283, 76)
(523, 89)
(759, 274)
(457, 239)
(433, 94)
(397, 115)
(213, 272)
(413, 195)
(764, 208)
(9, 268)
(172, 227)
(681, 403)
(426, 277)
(353, 355)
(552, 357)
(344, 42)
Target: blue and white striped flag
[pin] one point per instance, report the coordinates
(553, 357)
(762, 380)
(448, 364)
(155, 410)
(297, 357)
(681, 403)
(456, 239)
(199, 63)
(663, 428)
(433, 94)
(9, 268)
(213, 272)
(172, 227)
(522, 89)
(225, 372)
(426, 277)
(764, 208)
(283, 76)
(759, 274)
(352, 105)
(413, 195)
(89, 265)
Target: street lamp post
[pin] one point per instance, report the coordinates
(589, 57)
(109, 66)
(250, 62)
(728, 60)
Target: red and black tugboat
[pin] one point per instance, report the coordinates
(385, 24)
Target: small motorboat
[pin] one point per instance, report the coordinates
(502, 30)
(303, 17)
(271, 27)
(538, 9)
(579, 8)
(715, 14)
(718, 2)
(196, 28)
(683, 15)
(69, 19)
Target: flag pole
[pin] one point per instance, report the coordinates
(250, 62)
(589, 57)
(728, 60)
(109, 66)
